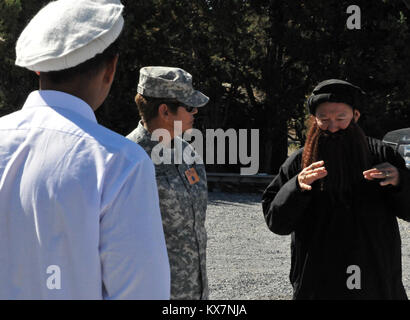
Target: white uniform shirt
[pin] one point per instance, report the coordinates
(79, 212)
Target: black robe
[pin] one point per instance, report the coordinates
(326, 239)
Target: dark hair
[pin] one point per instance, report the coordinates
(88, 68)
(148, 106)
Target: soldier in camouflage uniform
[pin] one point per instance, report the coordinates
(166, 95)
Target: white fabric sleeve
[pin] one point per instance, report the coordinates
(133, 252)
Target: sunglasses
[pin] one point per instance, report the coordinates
(188, 109)
(175, 106)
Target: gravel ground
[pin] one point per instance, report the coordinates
(246, 261)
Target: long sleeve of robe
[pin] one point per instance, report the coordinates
(349, 251)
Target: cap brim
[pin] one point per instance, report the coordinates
(196, 100)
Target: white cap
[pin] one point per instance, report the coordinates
(66, 33)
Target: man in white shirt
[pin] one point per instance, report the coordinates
(79, 212)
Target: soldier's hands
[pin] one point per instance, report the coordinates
(310, 174)
(384, 171)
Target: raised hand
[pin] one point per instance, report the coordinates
(386, 172)
(310, 174)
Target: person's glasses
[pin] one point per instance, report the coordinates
(175, 106)
(188, 108)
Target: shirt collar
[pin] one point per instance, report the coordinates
(58, 99)
(145, 139)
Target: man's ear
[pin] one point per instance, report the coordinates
(110, 69)
(356, 115)
(163, 111)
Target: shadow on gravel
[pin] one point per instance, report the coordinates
(224, 198)
(231, 187)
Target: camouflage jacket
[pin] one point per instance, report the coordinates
(183, 208)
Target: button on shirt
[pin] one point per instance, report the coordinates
(79, 212)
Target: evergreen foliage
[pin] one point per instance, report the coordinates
(257, 61)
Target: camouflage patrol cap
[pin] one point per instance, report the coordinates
(170, 83)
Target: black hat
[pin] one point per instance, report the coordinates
(335, 90)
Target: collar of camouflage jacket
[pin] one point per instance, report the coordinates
(144, 138)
